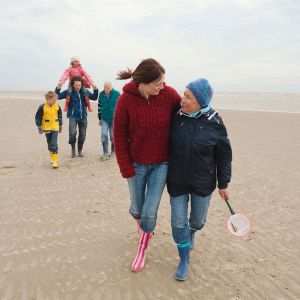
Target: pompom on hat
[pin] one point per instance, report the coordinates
(202, 91)
(74, 58)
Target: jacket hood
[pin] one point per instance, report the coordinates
(131, 88)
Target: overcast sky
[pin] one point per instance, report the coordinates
(238, 45)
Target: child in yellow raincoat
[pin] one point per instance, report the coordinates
(48, 119)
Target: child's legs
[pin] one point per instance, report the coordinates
(53, 142)
(48, 138)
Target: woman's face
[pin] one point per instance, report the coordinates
(153, 88)
(189, 104)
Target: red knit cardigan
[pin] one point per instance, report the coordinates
(141, 127)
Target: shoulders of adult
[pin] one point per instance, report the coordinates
(214, 117)
(114, 92)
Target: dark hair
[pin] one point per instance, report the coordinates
(76, 78)
(147, 71)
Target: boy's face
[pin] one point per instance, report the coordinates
(77, 85)
(51, 101)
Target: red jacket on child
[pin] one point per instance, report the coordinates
(141, 127)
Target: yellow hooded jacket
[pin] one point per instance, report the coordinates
(49, 118)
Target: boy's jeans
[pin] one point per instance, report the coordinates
(146, 188)
(179, 215)
(82, 125)
(52, 141)
(107, 126)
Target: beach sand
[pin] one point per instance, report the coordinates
(67, 234)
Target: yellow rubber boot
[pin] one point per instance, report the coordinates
(51, 156)
(55, 160)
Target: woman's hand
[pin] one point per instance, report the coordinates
(224, 193)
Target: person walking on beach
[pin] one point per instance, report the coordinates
(77, 70)
(48, 119)
(106, 107)
(77, 113)
(200, 157)
(141, 137)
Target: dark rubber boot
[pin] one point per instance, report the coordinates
(73, 154)
(80, 146)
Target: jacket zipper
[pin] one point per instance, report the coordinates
(80, 104)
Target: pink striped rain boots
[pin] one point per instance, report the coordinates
(138, 263)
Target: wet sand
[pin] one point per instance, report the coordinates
(67, 234)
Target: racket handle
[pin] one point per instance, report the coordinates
(229, 206)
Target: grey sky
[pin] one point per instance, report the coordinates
(238, 45)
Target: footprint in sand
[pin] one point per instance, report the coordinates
(4, 170)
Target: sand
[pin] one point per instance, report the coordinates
(67, 234)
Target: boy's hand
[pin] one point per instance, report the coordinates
(94, 87)
(40, 130)
(59, 85)
(60, 129)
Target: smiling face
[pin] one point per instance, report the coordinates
(153, 88)
(75, 63)
(189, 104)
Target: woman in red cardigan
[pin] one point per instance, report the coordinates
(141, 136)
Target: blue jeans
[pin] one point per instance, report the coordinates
(52, 141)
(107, 127)
(70, 89)
(82, 125)
(181, 226)
(146, 188)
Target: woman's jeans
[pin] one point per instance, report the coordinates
(107, 127)
(181, 226)
(146, 189)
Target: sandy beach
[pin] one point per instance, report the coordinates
(67, 234)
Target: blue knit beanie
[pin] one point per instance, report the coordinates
(202, 91)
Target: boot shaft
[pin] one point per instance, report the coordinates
(55, 160)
